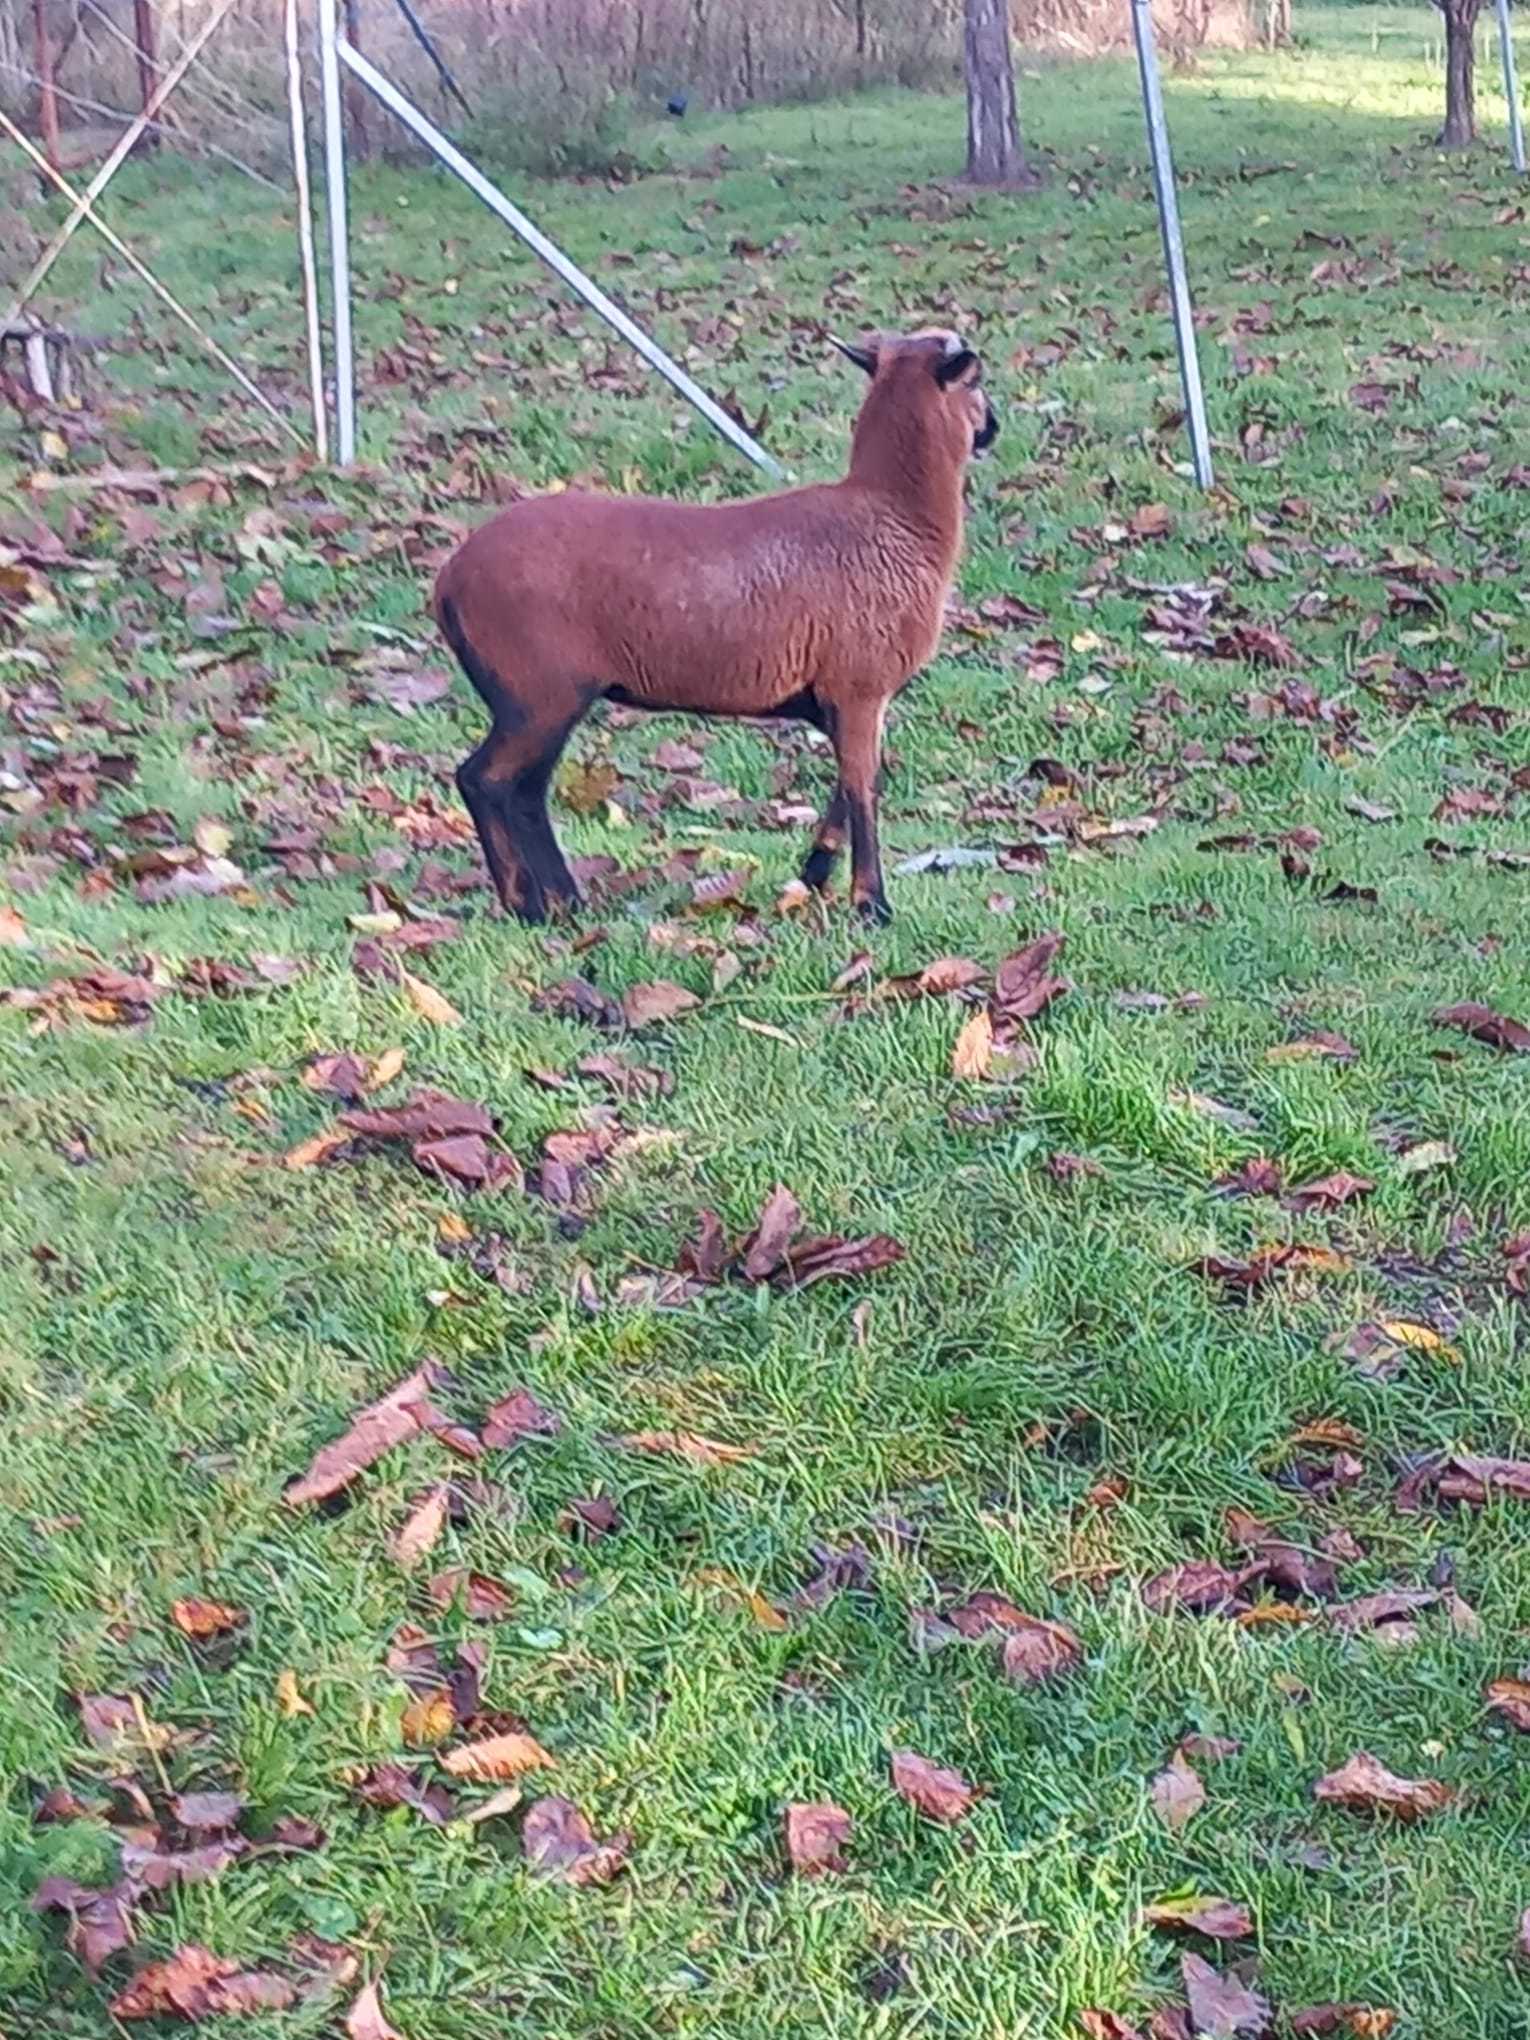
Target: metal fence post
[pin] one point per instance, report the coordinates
(1511, 87)
(339, 234)
(1173, 241)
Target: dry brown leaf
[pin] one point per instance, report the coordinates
(1219, 1919)
(1037, 1651)
(100, 1921)
(417, 1534)
(366, 2019)
(289, 1698)
(1221, 2006)
(1360, 2022)
(516, 1416)
(816, 1834)
(1483, 1024)
(498, 1757)
(309, 1153)
(1510, 1700)
(931, 1789)
(972, 1056)
(687, 1445)
(194, 1984)
(198, 1618)
(644, 1004)
(430, 1004)
(1365, 1785)
(558, 1841)
(482, 1599)
(376, 1430)
(1177, 1792)
(763, 1251)
(505, 1800)
(428, 1720)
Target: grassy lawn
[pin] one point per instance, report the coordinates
(1308, 695)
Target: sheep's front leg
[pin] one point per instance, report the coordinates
(858, 743)
(828, 842)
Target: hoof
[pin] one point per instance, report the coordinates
(818, 870)
(874, 910)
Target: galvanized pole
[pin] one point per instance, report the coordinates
(1173, 241)
(1511, 88)
(554, 257)
(339, 234)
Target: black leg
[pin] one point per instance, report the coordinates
(828, 842)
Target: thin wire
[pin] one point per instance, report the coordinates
(179, 135)
(206, 79)
(141, 268)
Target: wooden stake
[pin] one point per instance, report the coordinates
(143, 35)
(139, 268)
(305, 237)
(47, 103)
(108, 169)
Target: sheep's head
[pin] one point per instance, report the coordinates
(936, 372)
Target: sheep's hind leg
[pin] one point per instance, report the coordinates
(520, 892)
(504, 785)
(858, 742)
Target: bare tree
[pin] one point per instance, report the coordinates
(1460, 129)
(994, 154)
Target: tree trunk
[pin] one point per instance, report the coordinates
(994, 154)
(1460, 129)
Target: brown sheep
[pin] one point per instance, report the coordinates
(817, 604)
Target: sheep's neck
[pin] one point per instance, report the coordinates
(897, 461)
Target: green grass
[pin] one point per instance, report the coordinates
(185, 1322)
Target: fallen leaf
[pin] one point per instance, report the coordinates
(516, 1416)
(113, 1719)
(309, 1153)
(198, 1810)
(1037, 1651)
(1362, 2022)
(590, 1516)
(194, 1984)
(1370, 1611)
(505, 1800)
(1222, 2008)
(428, 1719)
(421, 1527)
(197, 1618)
(1510, 1700)
(428, 1115)
(154, 1869)
(972, 1056)
(687, 1445)
(816, 1834)
(816, 1260)
(390, 1785)
(1328, 1192)
(1219, 1919)
(498, 1757)
(376, 1430)
(1177, 1793)
(1364, 1785)
(931, 1789)
(1429, 1154)
(559, 1842)
(1483, 1024)
(100, 1921)
(288, 1697)
(1023, 985)
(644, 1004)
(483, 1599)
(1311, 1046)
(779, 1219)
(430, 1004)
(1200, 1586)
(1101, 2025)
(366, 2019)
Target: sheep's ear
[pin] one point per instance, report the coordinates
(957, 367)
(863, 357)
